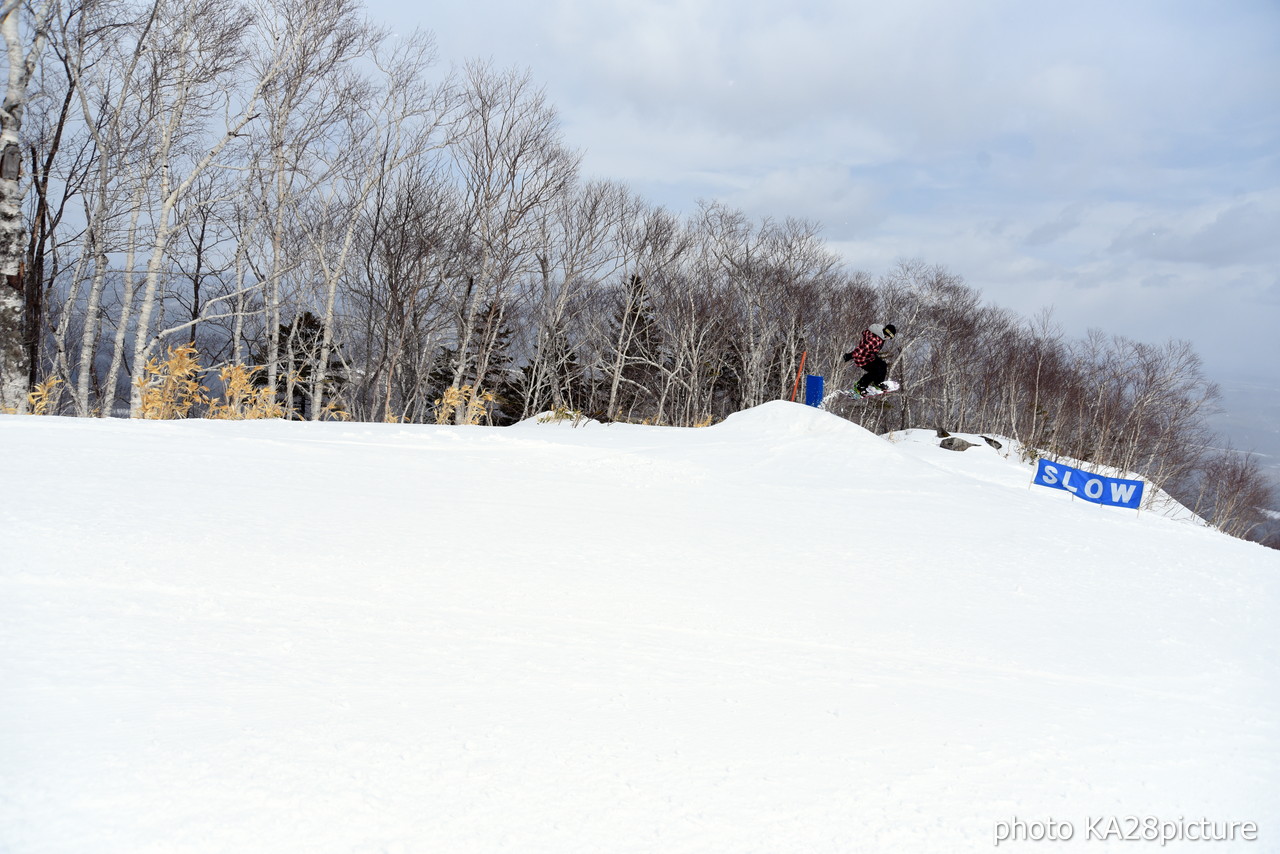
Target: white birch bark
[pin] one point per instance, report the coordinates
(385, 134)
(312, 41)
(108, 402)
(114, 140)
(171, 190)
(21, 60)
(514, 164)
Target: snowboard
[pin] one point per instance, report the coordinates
(890, 386)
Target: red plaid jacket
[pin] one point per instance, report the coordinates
(868, 348)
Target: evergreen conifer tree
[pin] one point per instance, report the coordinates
(490, 346)
(297, 364)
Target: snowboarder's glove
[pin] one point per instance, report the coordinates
(847, 357)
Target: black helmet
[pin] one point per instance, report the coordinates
(890, 330)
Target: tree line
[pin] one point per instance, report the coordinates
(282, 184)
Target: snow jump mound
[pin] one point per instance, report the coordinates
(784, 418)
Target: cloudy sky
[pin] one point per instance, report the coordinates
(1116, 161)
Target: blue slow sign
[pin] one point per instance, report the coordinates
(1114, 491)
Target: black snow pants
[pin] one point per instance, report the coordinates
(875, 374)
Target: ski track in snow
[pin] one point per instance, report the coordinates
(376, 638)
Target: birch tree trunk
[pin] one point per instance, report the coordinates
(108, 396)
(13, 233)
(144, 341)
(116, 130)
(513, 164)
(207, 53)
(397, 123)
(304, 103)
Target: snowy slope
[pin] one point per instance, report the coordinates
(1005, 462)
(778, 634)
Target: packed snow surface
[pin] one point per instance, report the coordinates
(778, 634)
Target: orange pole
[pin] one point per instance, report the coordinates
(796, 387)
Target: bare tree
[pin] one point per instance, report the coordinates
(101, 51)
(397, 120)
(654, 244)
(303, 105)
(58, 155)
(197, 52)
(407, 244)
(1231, 492)
(204, 255)
(577, 250)
(22, 55)
(511, 163)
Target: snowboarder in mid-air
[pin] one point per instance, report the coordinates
(867, 356)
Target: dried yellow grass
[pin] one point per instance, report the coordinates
(171, 388)
(242, 400)
(475, 405)
(38, 401)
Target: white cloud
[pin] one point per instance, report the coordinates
(1116, 161)
(1237, 231)
(1066, 222)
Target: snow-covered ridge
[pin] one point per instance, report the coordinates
(779, 633)
(1012, 465)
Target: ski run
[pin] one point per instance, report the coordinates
(781, 633)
